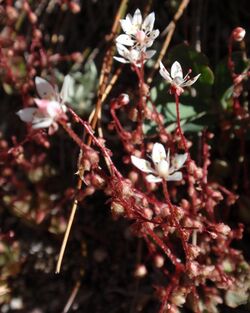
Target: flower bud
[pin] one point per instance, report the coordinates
(140, 271)
(123, 99)
(117, 208)
(159, 261)
(97, 181)
(238, 34)
(74, 7)
(32, 18)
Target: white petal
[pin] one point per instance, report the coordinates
(153, 179)
(151, 38)
(142, 164)
(125, 40)
(165, 74)
(176, 70)
(42, 122)
(191, 81)
(44, 89)
(121, 60)
(123, 51)
(137, 19)
(27, 115)
(175, 177)
(148, 23)
(150, 54)
(126, 24)
(158, 153)
(178, 161)
(54, 109)
(67, 89)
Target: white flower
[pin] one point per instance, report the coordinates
(162, 167)
(46, 91)
(50, 108)
(133, 56)
(176, 79)
(138, 33)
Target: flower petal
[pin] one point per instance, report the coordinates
(137, 19)
(149, 54)
(27, 114)
(191, 81)
(122, 60)
(42, 122)
(153, 179)
(125, 40)
(67, 89)
(141, 164)
(178, 161)
(54, 109)
(122, 50)
(158, 153)
(154, 34)
(177, 176)
(126, 24)
(148, 23)
(165, 74)
(44, 89)
(176, 70)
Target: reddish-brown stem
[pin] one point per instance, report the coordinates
(163, 246)
(183, 139)
(175, 219)
(104, 150)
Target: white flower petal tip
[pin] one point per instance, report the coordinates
(153, 179)
(176, 70)
(44, 89)
(162, 169)
(158, 152)
(67, 90)
(141, 164)
(27, 114)
(177, 176)
(176, 79)
(179, 160)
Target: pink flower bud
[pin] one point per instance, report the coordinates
(140, 271)
(238, 34)
(75, 7)
(158, 261)
(123, 99)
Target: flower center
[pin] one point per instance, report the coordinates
(162, 168)
(140, 37)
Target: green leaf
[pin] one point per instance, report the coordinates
(169, 111)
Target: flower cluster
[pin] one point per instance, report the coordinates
(50, 107)
(139, 35)
(163, 168)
